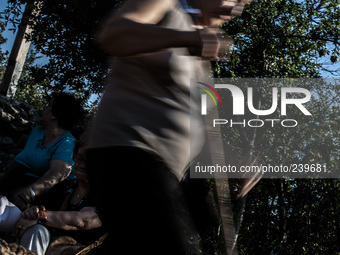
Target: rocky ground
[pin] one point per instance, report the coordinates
(16, 122)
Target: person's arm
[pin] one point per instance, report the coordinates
(132, 30)
(85, 219)
(57, 172)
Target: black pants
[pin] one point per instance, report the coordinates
(140, 202)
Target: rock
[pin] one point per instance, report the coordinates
(6, 141)
(16, 120)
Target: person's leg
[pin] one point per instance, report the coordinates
(36, 239)
(203, 208)
(140, 202)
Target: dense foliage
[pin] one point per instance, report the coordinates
(286, 39)
(2, 54)
(64, 32)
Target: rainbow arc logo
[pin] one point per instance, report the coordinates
(204, 97)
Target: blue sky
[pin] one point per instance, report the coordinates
(7, 34)
(10, 36)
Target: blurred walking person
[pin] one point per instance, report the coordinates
(139, 146)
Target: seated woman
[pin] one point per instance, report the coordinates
(71, 211)
(47, 158)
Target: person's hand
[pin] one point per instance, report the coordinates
(233, 8)
(216, 44)
(22, 199)
(22, 225)
(32, 213)
(217, 12)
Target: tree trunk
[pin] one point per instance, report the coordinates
(19, 50)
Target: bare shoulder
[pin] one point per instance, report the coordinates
(145, 11)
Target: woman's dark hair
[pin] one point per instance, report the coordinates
(67, 109)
